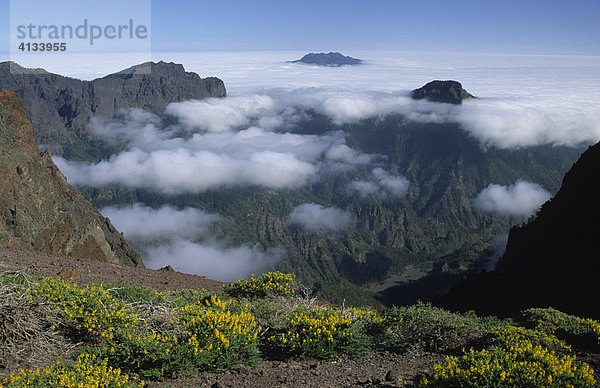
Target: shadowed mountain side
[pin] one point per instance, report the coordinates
(551, 261)
(38, 208)
(61, 107)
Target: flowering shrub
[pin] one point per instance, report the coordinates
(584, 332)
(88, 371)
(204, 335)
(523, 365)
(322, 333)
(270, 283)
(91, 309)
(219, 337)
(519, 359)
(514, 335)
(211, 336)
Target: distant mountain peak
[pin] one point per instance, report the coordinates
(329, 59)
(449, 92)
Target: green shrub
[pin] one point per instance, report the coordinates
(136, 294)
(88, 371)
(423, 326)
(210, 336)
(186, 297)
(271, 283)
(580, 332)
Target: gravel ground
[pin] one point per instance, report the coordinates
(380, 369)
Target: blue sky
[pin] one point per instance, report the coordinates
(524, 26)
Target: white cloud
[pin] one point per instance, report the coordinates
(214, 260)
(184, 171)
(521, 199)
(142, 222)
(523, 122)
(217, 115)
(182, 238)
(395, 185)
(315, 218)
(383, 185)
(364, 188)
(343, 153)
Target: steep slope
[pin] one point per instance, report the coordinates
(38, 208)
(551, 261)
(60, 107)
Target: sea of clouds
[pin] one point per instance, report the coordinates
(237, 141)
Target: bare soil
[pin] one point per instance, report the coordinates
(86, 271)
(380, 369)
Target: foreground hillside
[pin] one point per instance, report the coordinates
(268, 330)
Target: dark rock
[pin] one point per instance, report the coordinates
(329, 59)
(449, 92)
(38, 209)
(552, 260)
(393, 375)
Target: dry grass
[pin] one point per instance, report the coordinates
(29, 335)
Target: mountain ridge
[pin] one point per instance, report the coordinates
(60, 107)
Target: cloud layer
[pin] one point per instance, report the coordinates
(523, 100)
(521, 199)
(314, 218)
(142, 222)
(213, 260)
(182, 238)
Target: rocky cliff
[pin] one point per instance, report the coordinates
(553, 260)
(60, 107)
(38, 209)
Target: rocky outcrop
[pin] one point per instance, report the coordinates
(60, 107)
(449, 92)
(329, 59)
(551, 261)
(38, 209)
